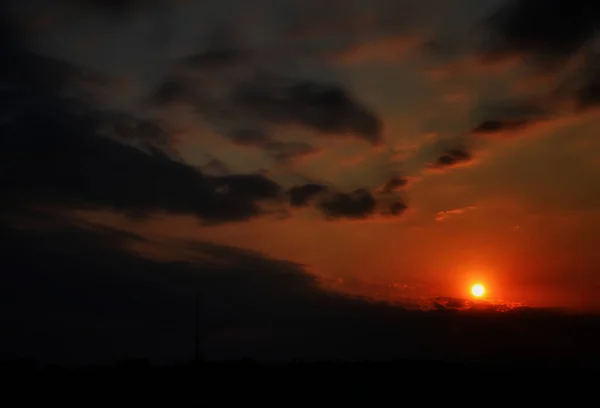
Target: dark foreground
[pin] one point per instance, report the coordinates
(137, 383)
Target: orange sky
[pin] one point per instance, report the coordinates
(517, 208)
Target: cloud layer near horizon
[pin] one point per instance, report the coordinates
(105, 283)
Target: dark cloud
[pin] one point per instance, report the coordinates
(246, 186)
(441, 154)
(282, 152)
(323, 107)
(141, 132)
(509, 115)
(215, 167)
(133, 299)
(450, 303)
(589, 77)
(579, 92)
(499, 125)
(357, 204)
(266, 101)
(394, 184)
(88, 170)
(52, 151)
(540, 32)
(224, 49)
(250, 137)
(397, 208)
(288, 152)
(116, 8)
(452, 157)
(541, 28)
(173, 89)
(300, 196)
(270, 100)
(328, 32)
(588, 95)
(216, 58)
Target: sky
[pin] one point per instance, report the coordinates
(302, 156)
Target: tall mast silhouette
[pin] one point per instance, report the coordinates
(197, 329)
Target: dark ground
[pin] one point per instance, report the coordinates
(137, 383)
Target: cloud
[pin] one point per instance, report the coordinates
(571, 98)
(173, 89)
(227, 90)
(357, 204)
(444, 303)
(250, 137)
(563, 47)
(452, 158)
(588, 94)
(53, 151)
(282, 152)
(539, 29)
(383, 49)
(444, 215)
(215, 167)
(217, 58)
(468, 66)
(335, 205)
(510, 117)
(94, 171)
(58, 151)
(396, 208)
(290, 152)
(323, 107)
(492, 126)
(394, 184)
(437, 154)
(68, 152)
(116, 8)
(248, 186)
(300, 196)
(141, 132)
(535, 34)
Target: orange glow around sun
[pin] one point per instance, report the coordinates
(477, 290)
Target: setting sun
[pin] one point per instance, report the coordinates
(477, 290)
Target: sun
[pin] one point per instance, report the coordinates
(477, 290)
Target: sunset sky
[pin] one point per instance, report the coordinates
(397, 150)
